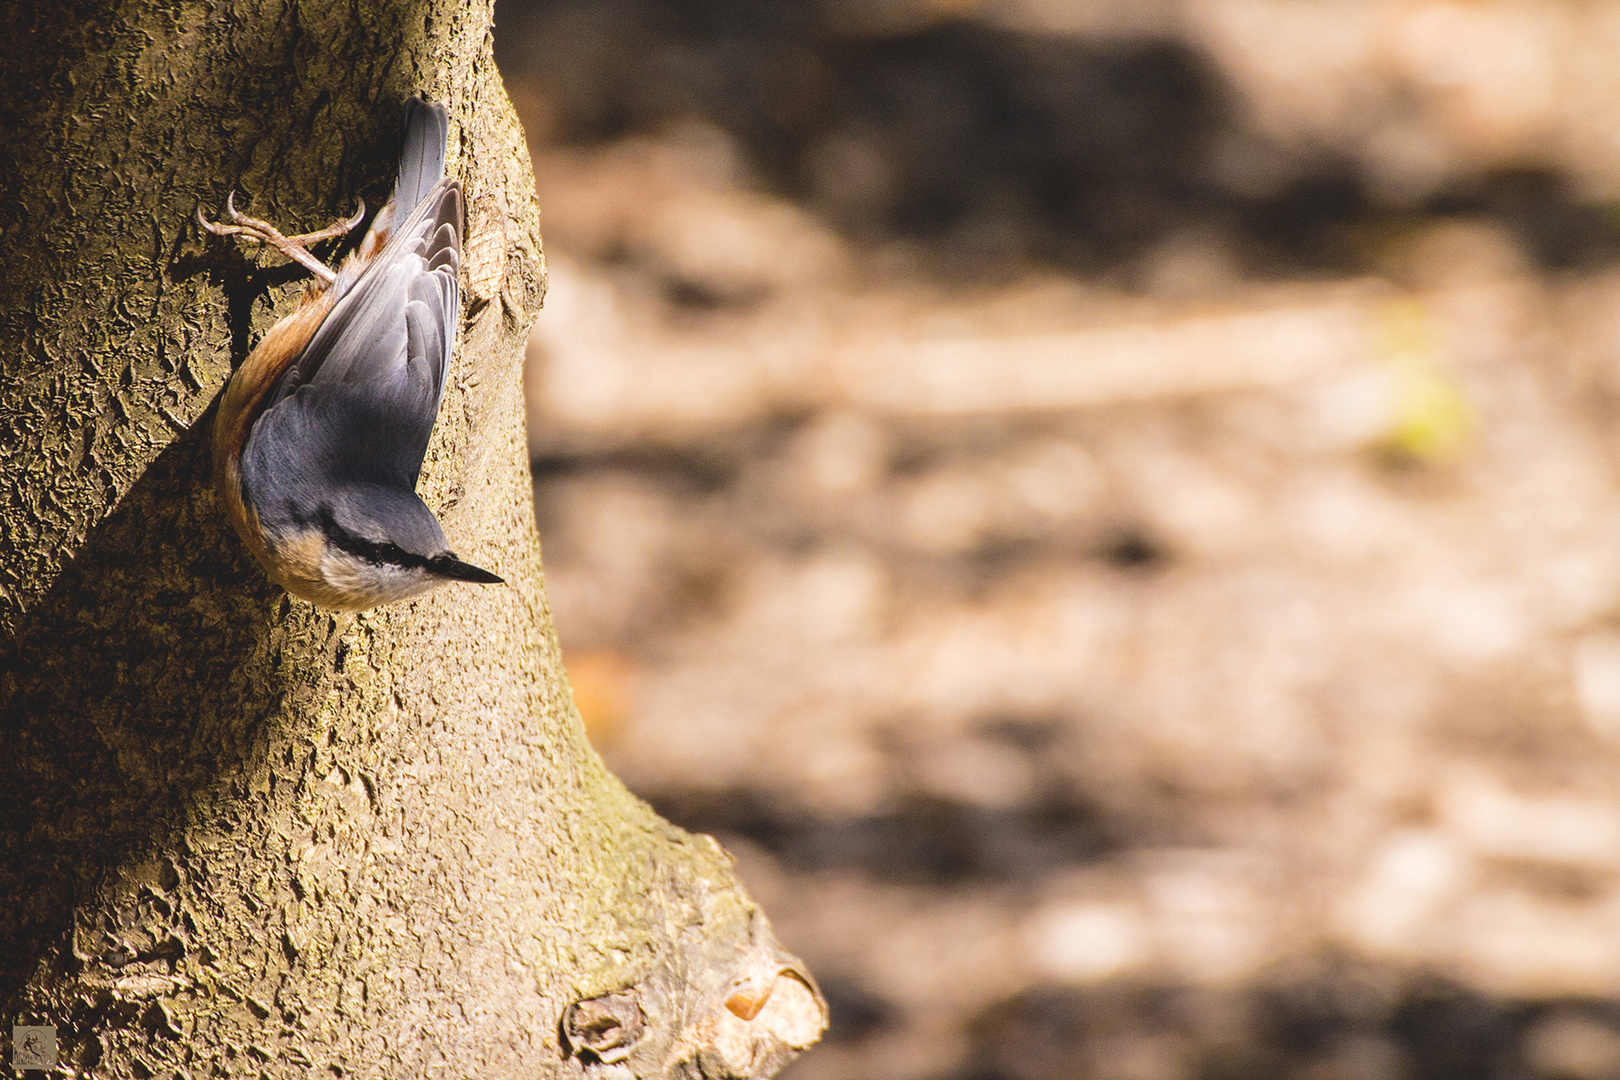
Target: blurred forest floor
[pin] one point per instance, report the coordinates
(1108, 510)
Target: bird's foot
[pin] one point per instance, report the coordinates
(294, 247)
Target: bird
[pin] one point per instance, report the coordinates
(320, 433)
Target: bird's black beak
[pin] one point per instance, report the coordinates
(448, 566)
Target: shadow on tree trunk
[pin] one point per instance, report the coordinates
(135, 687)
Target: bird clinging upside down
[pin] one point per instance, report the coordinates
(320, 434)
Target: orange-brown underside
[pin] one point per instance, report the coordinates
(240, 405)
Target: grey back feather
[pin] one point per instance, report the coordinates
(421, 162)
(357, 407)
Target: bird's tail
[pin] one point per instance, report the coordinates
(421, 163)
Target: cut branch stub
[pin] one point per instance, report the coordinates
(721, 1012)
(605, 1028)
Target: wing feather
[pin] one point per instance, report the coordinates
(376, 366)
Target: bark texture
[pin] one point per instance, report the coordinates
(239, 835)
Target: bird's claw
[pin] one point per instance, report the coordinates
(332, 231)
(230, 215)
(294, 247)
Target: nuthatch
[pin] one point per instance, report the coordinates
(321, 432)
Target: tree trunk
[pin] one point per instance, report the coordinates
(239, 835)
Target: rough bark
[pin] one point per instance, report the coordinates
(239, 835)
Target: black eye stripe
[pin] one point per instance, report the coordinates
(383, 554)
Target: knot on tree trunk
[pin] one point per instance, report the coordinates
(702, 1016)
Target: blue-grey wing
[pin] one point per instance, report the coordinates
(421, 159)
(373, 374)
